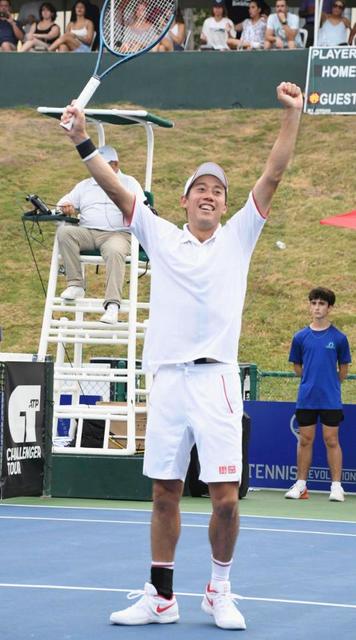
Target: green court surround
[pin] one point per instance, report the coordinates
(257, 503)
(184, 80)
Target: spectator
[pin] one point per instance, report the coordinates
(43, 32)
(79, 33)
(175, 37)
(333, 31)
(138, 32)
(321, 355)
(238, 11)
(28, 14)
(217, 29)
(307, 11)
(101, 227)
(10, 30)
(282, 30)
(252, 29)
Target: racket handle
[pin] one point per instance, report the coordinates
(83, 98)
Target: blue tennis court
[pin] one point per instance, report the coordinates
(63, 570)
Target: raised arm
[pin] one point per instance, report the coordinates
(290, 96)
(97, 166)
(19, 34)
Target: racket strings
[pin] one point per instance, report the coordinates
(135, 25)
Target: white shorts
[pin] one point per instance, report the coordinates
(199, 404)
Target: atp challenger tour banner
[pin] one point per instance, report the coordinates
(23, 428)
(273, 448)
(331, 81)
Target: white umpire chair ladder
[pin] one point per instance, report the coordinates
(78, 332)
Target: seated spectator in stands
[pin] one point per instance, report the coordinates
(174, 39)
(79, 33)
(334, 26)
(217, 29)
(252, 29)
(43, 32)
(307, 11)
(137, 33)
(282, 30)
(10, 30)
(28, 14)
(238, 11)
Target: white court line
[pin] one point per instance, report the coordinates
(149, 509)
(188, 526)
(10, 585)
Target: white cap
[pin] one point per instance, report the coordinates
(206, 169)
(108, 153)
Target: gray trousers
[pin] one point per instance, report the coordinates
(114, 246)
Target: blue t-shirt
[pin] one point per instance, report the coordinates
(7, 32)
(319, 352)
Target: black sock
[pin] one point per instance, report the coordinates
(162, 580)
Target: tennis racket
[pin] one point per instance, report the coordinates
(128, 28)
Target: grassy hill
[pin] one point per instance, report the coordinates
(35, 157)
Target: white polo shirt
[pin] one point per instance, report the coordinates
(198, 288)
(97, 211)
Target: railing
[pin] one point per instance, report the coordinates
(281, 385)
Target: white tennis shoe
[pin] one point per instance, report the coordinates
(72, 293)
(219, 602)
(337, 494)
(295, 493)
(111, 314)
(150, 608)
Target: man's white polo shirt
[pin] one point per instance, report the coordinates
(198, 288)
(97, 211)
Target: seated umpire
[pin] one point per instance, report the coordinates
(100, 227)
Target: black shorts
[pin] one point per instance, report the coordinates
(329, 417)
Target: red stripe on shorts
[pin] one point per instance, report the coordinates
(225, 394)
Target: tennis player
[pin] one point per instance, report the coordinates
(199, 276)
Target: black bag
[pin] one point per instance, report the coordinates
(93, 433)
(198, 488)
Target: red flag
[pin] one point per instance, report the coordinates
(344, 220)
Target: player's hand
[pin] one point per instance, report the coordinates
(77, 133)
(290, 95)
(67, 209)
